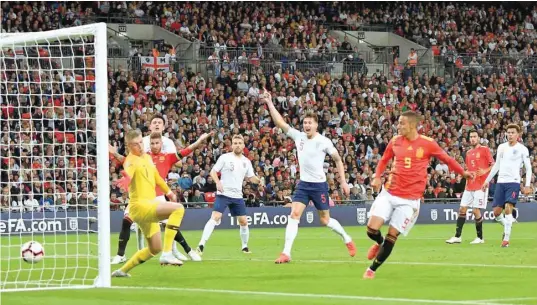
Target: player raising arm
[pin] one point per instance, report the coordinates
(312, 147)
(509, 159)
(478, 161)
(399, 201)
(145, 210)
(233, 167)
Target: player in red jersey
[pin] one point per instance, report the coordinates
(164, 163)
(399, 201)
(479, 160)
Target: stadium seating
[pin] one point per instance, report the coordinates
(358, 113)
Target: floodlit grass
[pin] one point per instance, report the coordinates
(422, 269)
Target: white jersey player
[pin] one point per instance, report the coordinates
(233, 167)
(312, 147)
(510, 157)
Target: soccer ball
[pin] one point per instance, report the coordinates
(32, 252)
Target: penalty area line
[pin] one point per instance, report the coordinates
(507, 299)
(307, 295)
(388, 262)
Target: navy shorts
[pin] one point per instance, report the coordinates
(312, 191)
(237, 207)
(506, 193)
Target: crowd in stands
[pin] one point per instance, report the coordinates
(42, 119)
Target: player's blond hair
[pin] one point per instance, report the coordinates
(237, 136)
(132, 134)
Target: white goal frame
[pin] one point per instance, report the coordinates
(99, 32)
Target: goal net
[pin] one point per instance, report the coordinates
(54, 158)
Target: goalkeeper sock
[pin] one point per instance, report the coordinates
(181, 240)
(172, 227)
(479, 227)
(384, 252)
(140, 257)
(375, 235)
(207, 231)
(460, 224)
(124, 236)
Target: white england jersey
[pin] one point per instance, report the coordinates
(509, 160)
(168, 147)
(311, 153)
(232, 171)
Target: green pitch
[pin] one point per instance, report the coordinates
(422, 270)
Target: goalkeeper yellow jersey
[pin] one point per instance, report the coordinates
(144, 178)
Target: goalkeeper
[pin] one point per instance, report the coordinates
(142, 177)
(167, 147)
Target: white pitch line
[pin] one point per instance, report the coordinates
(308, 295)
(388, 262)
(508, 299)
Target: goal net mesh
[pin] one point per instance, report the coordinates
(48, 156)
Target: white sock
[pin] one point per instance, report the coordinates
(336, 227)
(508, 225)
(500, 219)
(290, 234)
(245, 235)
(174, 246)
(207, 231)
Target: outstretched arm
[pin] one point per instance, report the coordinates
(113, 151)
(276, 116)
(341, 171)
(187, 151)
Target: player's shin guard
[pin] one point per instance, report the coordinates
(479, 227)
(207, 231)
(182, 241)
(385, 251)
(507, 227)
(290, 234)
(124, 236)
(138, 258)
(375, 235)
(245, 235)
(336, 227)
(172, 227)
(460, 223)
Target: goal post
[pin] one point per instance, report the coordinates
(54, 166)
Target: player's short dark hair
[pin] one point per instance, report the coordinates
(473, 131)
(514, 126)
(157, 116)
(411, 115)
(155, 135)
(312, 115)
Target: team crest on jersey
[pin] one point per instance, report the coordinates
(309, 217)
(161, 158)
(361, 216)
(419, 153)
(244, 164)
(477, 156)
(434, 214)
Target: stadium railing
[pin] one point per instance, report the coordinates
(119, 18)
(359, 27)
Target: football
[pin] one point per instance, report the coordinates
(32, 252)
